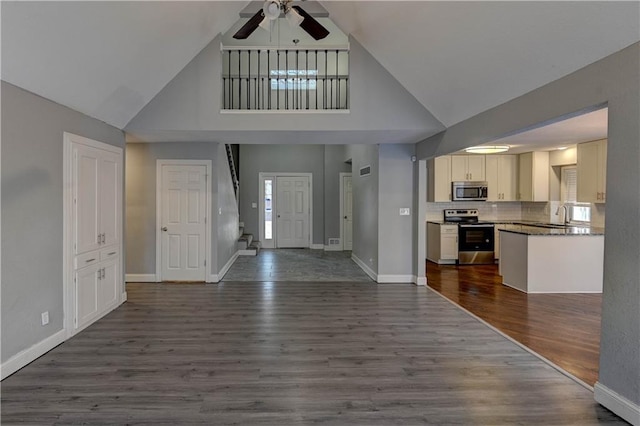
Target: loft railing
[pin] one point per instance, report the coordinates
(285, 79)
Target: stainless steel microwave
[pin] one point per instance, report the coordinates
(469, 191)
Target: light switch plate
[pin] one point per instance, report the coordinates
(45, 318)
(405, 211)
(254, 205)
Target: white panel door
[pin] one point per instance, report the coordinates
(87, 282)
(183, 210)
(110, 187)
(85, 166)
(347, 218)
(292, 211)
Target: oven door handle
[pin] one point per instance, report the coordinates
(476, 226)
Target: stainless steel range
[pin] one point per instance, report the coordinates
(475, 239)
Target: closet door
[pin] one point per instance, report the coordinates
(110, 188)
(86, 163)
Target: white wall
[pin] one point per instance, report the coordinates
(32, 212)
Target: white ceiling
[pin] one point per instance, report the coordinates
(108, 59)
(586, 127)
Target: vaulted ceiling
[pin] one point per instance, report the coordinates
(109, 59)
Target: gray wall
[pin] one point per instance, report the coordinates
(613, 80)
(140, 203)
(365, 204)
(227, 214)
(395, 232)
(191, 101)
(280, 158)
(334, 164)
(32, 212)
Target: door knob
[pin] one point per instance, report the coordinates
(164, 228)
(345, 217)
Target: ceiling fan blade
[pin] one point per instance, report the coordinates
(310, 25)
(251, 25)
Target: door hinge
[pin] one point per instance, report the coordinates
(205, 220)
(205, 262)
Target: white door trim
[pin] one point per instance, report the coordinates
(275, 175)
(342, 176)
(68, 288)
(208, 198)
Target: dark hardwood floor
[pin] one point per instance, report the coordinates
(564, 328)
(293, 354)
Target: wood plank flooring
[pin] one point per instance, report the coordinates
(292, 353)
(564, 328)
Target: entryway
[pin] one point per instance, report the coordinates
(286, 210)
(182, 209)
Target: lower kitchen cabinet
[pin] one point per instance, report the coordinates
(442, 243)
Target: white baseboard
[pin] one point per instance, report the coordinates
(222, 272)
(140, 278)
(123, 297)
(316, 246)
(422, 281)
(28, 355)
(367, 270)
(395, 279)
(617, 403)
(333, 248)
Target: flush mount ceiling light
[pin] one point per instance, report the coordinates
(487, 149)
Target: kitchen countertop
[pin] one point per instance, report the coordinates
(537, 228)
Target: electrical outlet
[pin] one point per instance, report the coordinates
(45, 318)
(405, 211)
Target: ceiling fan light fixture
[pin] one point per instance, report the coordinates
(271, 9)
(265, 24)
(294, 18)
(487, 149)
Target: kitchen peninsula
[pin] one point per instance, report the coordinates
(552, 260)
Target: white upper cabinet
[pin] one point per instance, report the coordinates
(439, 179)
(466, 168)
(502, 177)
(533, 182)
(97, 188)
(592, 172)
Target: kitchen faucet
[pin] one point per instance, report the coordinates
(565, 218)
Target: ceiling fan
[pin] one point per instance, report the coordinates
(272, 9)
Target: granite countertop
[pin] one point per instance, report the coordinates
(541, 231)
(536, 228)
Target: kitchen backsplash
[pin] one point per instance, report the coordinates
(486, 210)
(535, 212)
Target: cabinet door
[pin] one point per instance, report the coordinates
(85, 166)
(109, 286)
(494, 188)
(440, 179)
(459, 171)
(449, 246)
(87, 293)
(110, 189)
(508, 177)
(525, 185)
(602, 170)
(587, 167)
(475, 167)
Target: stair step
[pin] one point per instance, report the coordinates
(252, 250)
(244, 241)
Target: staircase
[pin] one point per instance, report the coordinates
(246, 245)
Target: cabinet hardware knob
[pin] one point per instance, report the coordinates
(345, 217)
(164, 228)
(111, 254)
(89, 260)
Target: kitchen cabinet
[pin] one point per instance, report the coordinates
(439, 179)
(96, 215)
(502, 177)
(442, 243)
(467, 168)
(592, 172)
(533, 172)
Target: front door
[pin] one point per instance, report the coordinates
(292, 211)
(183, 210)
